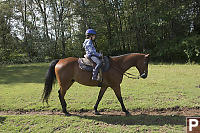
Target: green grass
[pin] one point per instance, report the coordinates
(167, 86)
(116, 124)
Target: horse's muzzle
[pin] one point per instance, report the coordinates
(144, 75)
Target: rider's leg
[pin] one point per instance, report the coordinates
(97, 67)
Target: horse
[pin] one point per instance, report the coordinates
(67, 71)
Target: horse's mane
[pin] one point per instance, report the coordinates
(123, 55)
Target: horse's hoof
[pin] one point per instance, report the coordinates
(128, 114)
(97, 113)
(67, 114)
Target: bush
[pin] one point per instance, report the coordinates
(9, 56)
(192, 48)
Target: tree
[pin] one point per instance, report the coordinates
(42, 30)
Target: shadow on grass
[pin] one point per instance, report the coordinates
(22, 74)
(2, 119)
(139, 119)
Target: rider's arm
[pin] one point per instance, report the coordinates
(90, 49)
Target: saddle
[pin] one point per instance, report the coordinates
(87, 65)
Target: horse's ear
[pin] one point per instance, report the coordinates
(147, 55)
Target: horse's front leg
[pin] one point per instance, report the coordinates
(117, 91)
(101, 93)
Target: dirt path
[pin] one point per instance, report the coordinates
(164, 112)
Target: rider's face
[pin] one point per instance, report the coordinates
(93, 37)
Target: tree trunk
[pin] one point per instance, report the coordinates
(44, 15)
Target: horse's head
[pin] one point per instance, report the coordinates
(142, 66)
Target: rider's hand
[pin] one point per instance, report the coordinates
(100, 55)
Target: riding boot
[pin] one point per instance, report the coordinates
(94, 74)
(96, 70)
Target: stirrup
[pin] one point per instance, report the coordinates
(94, 78)
(97, 78)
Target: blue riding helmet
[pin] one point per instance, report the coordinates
(90, 31)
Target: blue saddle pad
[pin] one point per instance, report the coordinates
(87, 65)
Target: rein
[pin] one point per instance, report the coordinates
(128, 75)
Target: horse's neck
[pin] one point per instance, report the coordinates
(127, 61)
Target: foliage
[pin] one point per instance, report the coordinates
(42, 30)
(192, 48)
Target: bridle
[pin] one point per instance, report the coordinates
(129, 75)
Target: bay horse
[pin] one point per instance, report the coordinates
(67, 71)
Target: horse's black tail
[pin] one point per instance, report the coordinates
(49, 81)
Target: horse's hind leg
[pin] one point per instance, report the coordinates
(61, 96)
(63, 103)
(101, 93)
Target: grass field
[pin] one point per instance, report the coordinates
(167, 87)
